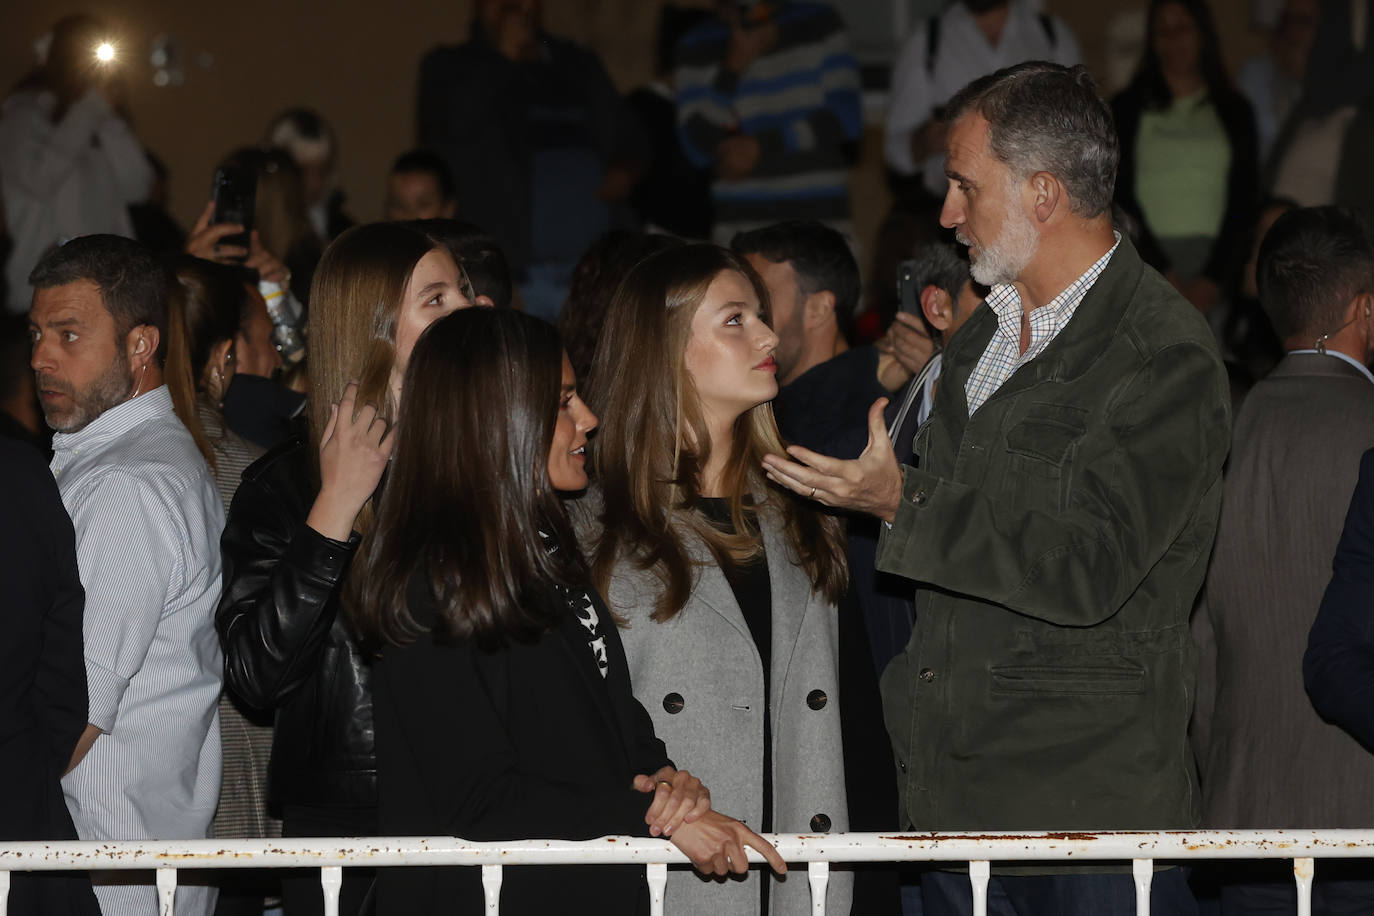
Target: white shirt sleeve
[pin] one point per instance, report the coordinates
(910, 102)
(128, 554)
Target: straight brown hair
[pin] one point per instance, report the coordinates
(206, 307)
(468, 493)
(653, 441)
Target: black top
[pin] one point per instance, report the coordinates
(825, 409)
(526, 741)
(492, 118)
(754, 595)
(42, 673)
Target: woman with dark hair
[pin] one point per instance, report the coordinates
(1189, 172)
(298, 517)
(69, 164)
(727, 586)
(476, 594)
(211, 317)
(594, 280)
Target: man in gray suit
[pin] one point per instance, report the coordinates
(1266, 758)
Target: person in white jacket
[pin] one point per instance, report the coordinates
(69, 164)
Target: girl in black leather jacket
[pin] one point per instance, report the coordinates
(298, 519)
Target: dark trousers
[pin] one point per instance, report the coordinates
(1339, 888)
(302, 894)
(949, 894)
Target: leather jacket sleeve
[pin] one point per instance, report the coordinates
(281, 581)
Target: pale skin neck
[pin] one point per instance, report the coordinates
(712, 476)
(816, 349)
(1063, 256)
(992, 23)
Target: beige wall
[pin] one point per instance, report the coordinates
(356, 62)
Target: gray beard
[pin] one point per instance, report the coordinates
(112, 387)
(1002, 261)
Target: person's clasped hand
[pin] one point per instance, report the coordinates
(715, 843)
(679, 798)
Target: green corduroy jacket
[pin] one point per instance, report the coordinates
(1058, 539)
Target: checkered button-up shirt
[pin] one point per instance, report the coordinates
(1003, 356)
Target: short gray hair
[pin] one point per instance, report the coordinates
(1043, 117)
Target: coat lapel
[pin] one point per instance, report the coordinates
(789, 591)
(572, 635)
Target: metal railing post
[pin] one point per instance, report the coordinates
(4, 892)
(656, 874)
(979, 873)
(166, 891)
(1144, 871)
(331, 883)
(491, 887)
(1302, 873)
(818, 873)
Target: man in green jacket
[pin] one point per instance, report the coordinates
(1060, 514)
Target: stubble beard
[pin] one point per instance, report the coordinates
(111, 387)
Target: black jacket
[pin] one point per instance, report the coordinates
(475, 110)
(286, 645)
(1338, 668)
(1232, 244)
(42, 675)
(525, 741)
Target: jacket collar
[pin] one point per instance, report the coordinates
(1068, 355)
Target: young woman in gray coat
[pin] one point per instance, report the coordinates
(726, 588)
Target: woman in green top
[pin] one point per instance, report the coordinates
(1189, 175)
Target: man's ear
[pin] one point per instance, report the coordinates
(484, 301)
(818, 309)
(141, 344)
(939, 311)
(1048, 195)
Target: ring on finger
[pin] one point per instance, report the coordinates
(813, 493)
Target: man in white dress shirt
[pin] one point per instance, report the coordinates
(148, 521)
(946, 52)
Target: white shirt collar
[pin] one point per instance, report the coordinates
(116, 421)
(1364, 370)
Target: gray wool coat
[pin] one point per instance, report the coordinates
(700, 677)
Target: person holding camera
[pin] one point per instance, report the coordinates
(69, 163)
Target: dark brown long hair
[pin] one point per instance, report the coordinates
(468, 492)
(653, 441)
(207, 307)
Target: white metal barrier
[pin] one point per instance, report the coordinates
(978, 850)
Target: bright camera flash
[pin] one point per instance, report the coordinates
(104, 52)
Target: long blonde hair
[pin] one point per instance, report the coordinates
(654, 442)
(355, 301)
